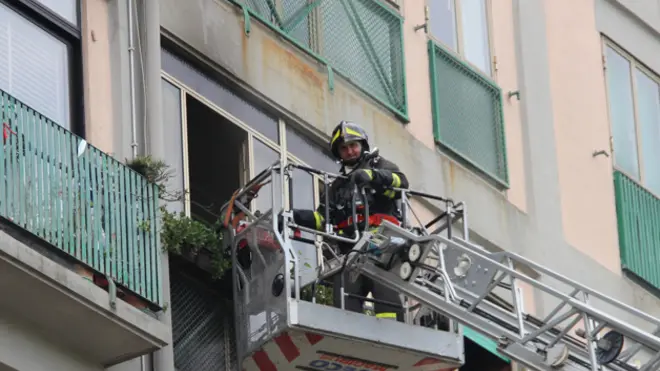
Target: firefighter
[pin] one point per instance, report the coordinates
(350, 145)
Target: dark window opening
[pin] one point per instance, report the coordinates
(480, 359)
(215, 160)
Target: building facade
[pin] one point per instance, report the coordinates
(542, 116)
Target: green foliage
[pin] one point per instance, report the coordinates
(156, 172)
(323, 294)
(180, 234)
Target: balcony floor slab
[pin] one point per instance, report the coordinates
(69, 309)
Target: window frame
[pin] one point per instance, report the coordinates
(71, 35)
(252, 133)
(635, 64)
(460, 49)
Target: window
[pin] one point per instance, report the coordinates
(634, 108)
(39, 54)
(67, 9)
(463, 27)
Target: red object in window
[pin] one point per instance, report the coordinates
(264, 238)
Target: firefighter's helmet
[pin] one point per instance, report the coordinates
(348, 131)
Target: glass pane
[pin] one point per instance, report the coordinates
(648, 113)
(309, 152)
(173, 141)
(35, 66)
(443, 21)
(303, 198)
(622, 116)
(67, 9)
(303, 190)
(474, 24)
(264, 157)
(220, 95)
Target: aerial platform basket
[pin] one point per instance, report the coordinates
(277, 330)
(450, 279)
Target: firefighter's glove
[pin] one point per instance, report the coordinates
(361, 177)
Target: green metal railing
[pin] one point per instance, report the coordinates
(468, 118)
(362, 40)
(80, 200)
(638, 215)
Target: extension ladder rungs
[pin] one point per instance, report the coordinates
(467, 275)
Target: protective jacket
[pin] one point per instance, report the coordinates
(380, 175)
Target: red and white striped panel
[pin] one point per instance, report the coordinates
(283, 350)
(309, 351)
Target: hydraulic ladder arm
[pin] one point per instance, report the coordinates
(468, 274)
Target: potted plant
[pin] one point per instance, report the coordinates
(193, 240)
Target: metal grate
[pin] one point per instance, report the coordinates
(360, 39)
(638, 215)
(201, 327)
(467, 114)
(79, 199)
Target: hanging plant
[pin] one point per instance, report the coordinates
(180, 234)
(187, 237)
(156, 172)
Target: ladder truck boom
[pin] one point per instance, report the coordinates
(532, 343)
(437, 274)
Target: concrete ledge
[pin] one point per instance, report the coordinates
(72, 311)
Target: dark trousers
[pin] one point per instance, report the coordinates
(362, 286)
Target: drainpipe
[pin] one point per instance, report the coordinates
(131, 73)
(163, 359)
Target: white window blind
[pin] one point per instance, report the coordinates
(35, 66)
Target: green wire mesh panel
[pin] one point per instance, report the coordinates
(467, 114)
(638, 215)
(80, 200)
(201, 327)
(360, 39)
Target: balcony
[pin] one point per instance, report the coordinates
(468, 118)
(79, 252)
(638, 215)
(360, 40)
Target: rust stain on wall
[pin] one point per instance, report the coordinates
(303, 82)
(452, 176)
(272, 51)
(244, 50)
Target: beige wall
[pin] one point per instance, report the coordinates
(96, 74)
(581, 127)
(505, 74)
(419, 87)
(417, 74)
